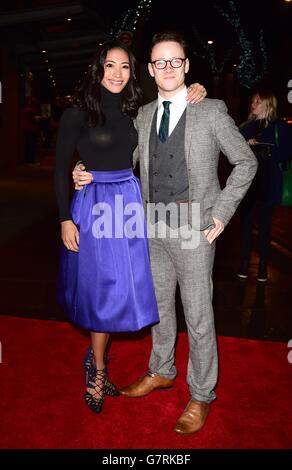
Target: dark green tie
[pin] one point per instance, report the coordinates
(164, 123)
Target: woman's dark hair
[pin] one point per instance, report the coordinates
(174, 36)
(88, 96)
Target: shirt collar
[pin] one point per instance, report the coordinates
(177, 100)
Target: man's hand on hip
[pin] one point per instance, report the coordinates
(214, 232)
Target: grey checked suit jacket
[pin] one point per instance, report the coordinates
(209, 130)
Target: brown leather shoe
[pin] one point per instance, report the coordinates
(146, 385)
(193, 417)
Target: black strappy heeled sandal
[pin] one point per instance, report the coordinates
(110, 389)
(95, 380)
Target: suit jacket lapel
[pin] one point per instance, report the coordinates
(147, 129)
(191, 117)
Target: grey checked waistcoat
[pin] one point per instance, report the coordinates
(168, 173)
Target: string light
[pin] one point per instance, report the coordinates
(131, 18)
(248, 71)
(249, 68)
(207, 53)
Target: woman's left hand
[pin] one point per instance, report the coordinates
(196, 93)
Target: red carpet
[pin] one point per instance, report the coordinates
(42, 405)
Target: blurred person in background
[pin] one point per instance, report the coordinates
(270, 139)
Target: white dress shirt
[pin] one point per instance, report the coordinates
(176, 109)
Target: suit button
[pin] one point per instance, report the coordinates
(172, 193)
(155, 156)
(170, 176)
(156, 190)
(155, 173)
(171, 156)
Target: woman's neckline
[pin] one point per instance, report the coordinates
(109, 95)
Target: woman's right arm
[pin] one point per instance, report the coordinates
(69, 130)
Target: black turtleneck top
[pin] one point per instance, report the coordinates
(101, 148)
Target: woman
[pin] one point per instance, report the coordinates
(270, 139)
(105, 282)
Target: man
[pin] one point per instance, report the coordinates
(184, 167)
(179, 146)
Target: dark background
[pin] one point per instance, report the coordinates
(69, 60)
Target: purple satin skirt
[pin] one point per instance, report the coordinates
(107, 286)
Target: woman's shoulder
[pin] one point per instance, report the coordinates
(247, 124)
(248, 129)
